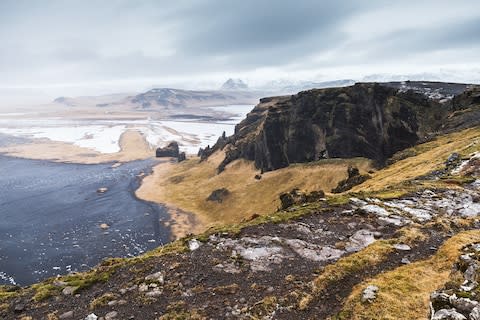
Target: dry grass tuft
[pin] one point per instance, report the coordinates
(406, 290)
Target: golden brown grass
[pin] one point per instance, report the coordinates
(188, 184)
(405, 291)
(423, 159)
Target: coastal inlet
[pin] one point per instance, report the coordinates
(61, 217)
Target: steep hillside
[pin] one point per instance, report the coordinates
(375, 254)
(364, 120)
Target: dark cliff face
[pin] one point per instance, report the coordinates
(364, 120)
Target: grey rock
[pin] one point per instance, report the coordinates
(448, 314)
(440, 300)
(68, 291)
(158, 277)
(194, 244)
(402, 247)
(143, 287)
(405, 261)
(19, 307)
(66, 315)
(153, 294)
(58, 283)
(463, 304)
(111, 315)
(360, 240)
(369, 294)
(471, 273)
(91, 316)
(475, 314)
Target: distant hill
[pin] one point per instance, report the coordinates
(234, 85)
(177, 98)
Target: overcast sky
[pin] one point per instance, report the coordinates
(122, 45)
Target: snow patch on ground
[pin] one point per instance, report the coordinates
(104, 135)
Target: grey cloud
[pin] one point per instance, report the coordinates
(55, 41)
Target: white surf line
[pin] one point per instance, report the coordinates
(9, 279)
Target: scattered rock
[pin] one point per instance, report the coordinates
(58, 283)
(218, 195)
(440, 300)
(375, 209)
(296, 197)
(369, 294)
(359, 240)
(354, 179)
(448, 314)
(153, 294)
(68, 291)
(463, 304)
(453, 161)
(66, 315)
(111, 315)
(19, 307)
(194, 244)
(158, 277)
(104, 226)
(102, 190)
(402, 247)
(91, 316)
(475, 314)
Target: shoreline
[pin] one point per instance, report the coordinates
(133, 146)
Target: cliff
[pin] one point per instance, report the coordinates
(368, 120)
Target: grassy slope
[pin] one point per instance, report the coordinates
(406, 290)
(188, 184)
(422, 159)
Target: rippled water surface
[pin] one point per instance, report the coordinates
(50, 216)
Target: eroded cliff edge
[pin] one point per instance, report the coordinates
(371, 120)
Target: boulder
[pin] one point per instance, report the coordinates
(369, 294)
(475, 314)
(296, 197)
(354, 178)
(218, 195)
(448, 314)
(171, 150)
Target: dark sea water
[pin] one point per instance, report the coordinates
(50, 216)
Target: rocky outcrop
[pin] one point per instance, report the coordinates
(296, 197)
(354, 178)
(171, 150)
(459, 300)
(364, 120)
(218, 195)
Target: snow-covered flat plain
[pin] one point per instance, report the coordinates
(104, 135)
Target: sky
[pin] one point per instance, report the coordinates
(85, 46)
